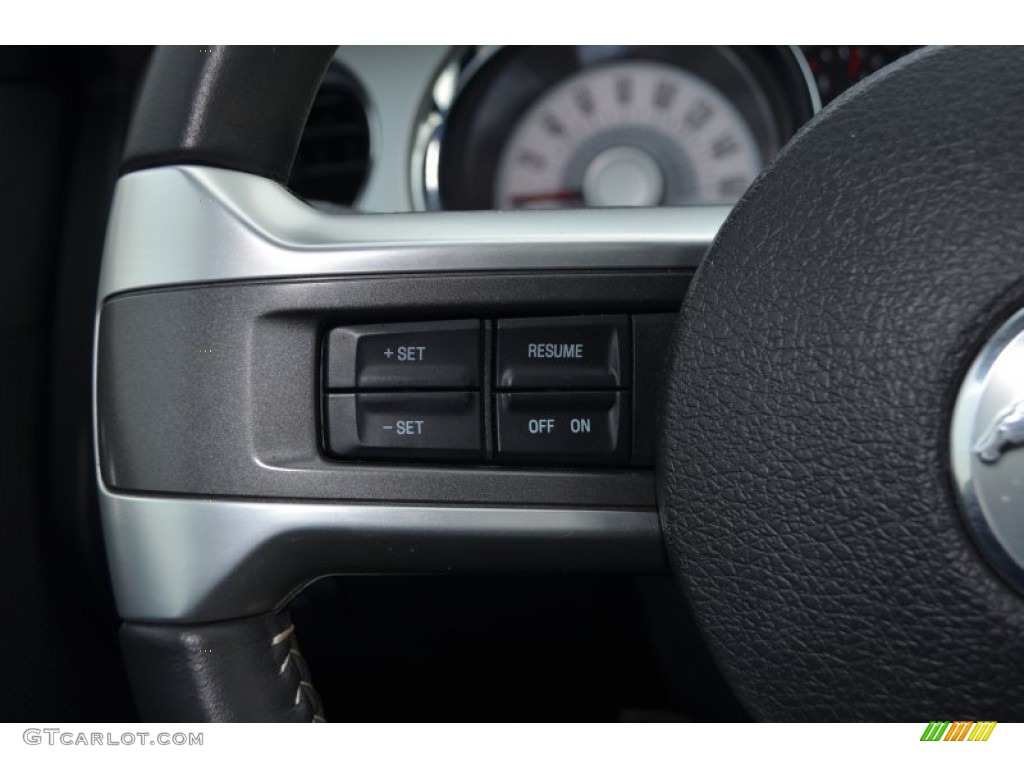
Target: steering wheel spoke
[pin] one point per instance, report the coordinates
(218, 498)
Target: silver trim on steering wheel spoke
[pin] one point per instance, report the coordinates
(193, 560)
(182, 558)
(190, 224)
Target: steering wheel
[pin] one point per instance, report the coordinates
(837, 475)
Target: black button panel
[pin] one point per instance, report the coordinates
(444, 355)
(564, 427)
(555, 391)
(435, 425)
(587, 352)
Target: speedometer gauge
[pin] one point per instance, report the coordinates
(635, 133)
(605, 125)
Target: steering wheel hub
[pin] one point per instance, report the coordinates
(805, 477)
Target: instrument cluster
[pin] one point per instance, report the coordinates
(611, 126)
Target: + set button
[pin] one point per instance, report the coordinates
(435, 355)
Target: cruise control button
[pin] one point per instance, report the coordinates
(437, 355)
(588, 352)
(405, 425)
(562, 427)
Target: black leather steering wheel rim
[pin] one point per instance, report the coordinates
(805, 478)
(237, 107)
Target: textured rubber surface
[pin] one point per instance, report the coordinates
(248, 670)
(804, 475)
(238, 107)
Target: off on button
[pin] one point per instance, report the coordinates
(569, 427)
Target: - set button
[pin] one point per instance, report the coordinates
(414, 425)
(570, 427)
(435, 355)
(589, 352)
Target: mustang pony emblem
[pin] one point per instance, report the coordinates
(1007, 431)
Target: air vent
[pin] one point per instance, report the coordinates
(334, 154)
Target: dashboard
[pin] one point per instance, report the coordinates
(512, 127)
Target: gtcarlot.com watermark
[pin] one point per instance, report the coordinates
(54, 736)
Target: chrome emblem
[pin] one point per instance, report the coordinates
(987, 427)
(1006, 432)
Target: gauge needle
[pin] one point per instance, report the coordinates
(557, 196)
